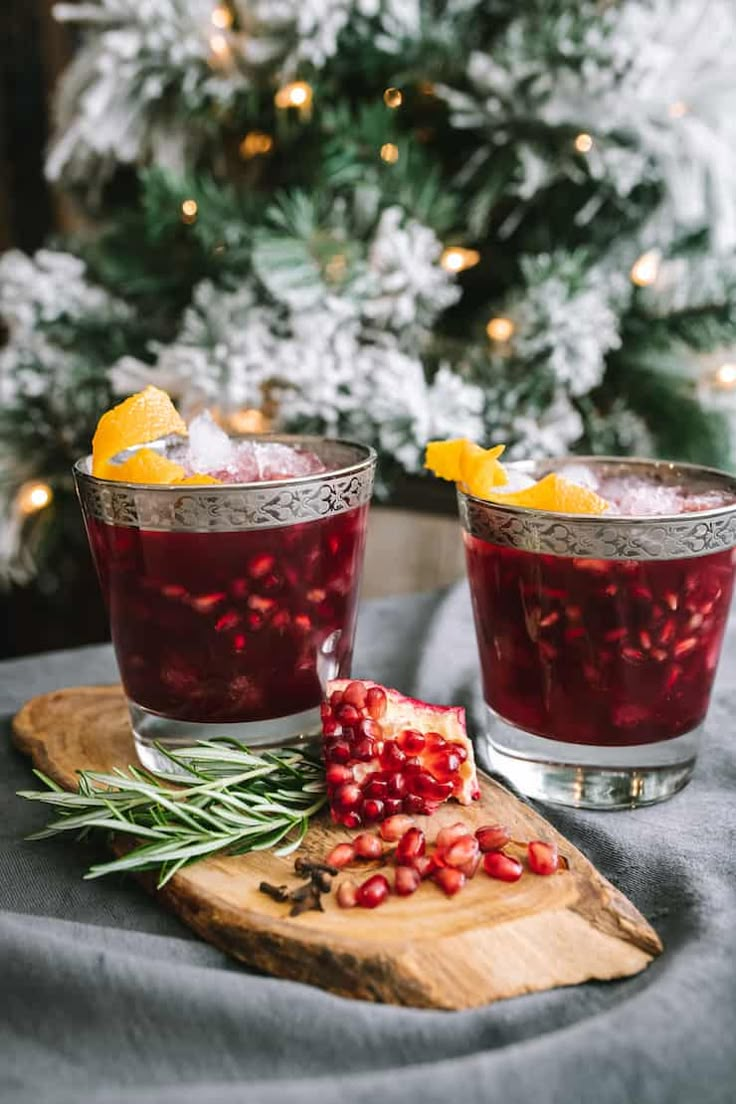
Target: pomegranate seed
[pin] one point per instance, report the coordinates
(415, 804)
(499, 865)
(411, 741)
(394, 827)
(354, 693)
(423, 864)
(364, 750)
(642, 592)
(470, 867)
(173, 591)
(337, 774)
(492, 837)
(255, 620)
(407, 881)
(632, 655)
(434, 740)
(428, 788)
(335, 698)
(262, 605)
(351, 820)
(239, 642)
(551, 619)
(392, 757)
(411, 844)
(397, 784)
(695, 621)
(340, 752)
(684, 647)
(542, 857)
(316, 595)
(672, 601)
(611, 590)
(668, 631)
(271, 582)
(376, 788)
(614, 635)
(227, 621)
(463, 851)
(346, 896)
(449, 880)
(376, 702)
(443, 764)
(260, 565)
(659, 654)
(673, 676)
(574, 633)
(372, 893)
(341, 855)
(347, 714)
(373, 809)
(393, 806)
(368, 846)
(205, 602)
(301, 621)
(448, 835)
(348, 796)
(645, 640)
(371, 729)
(547, 650)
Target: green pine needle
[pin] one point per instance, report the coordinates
(225, 799)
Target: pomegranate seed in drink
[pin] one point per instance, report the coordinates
(406, 881)
(410, 846)
(394, 827)
(504, 867)
(341, 855)
(450, 881)
(543, 858)
(373, 892)
(346, 895)
(368, 846)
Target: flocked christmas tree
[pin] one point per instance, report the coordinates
(386, 219)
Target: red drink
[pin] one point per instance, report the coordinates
(599, 637)
(606, 652)
(231, 605)
(231, 626)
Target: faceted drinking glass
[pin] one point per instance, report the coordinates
(599, 637)
(230, 605)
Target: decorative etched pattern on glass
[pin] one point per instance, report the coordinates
(613, 538)
(236, 507)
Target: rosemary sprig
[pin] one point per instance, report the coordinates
(223, 798)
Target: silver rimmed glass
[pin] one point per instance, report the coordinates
(230, 605)
(599, 637)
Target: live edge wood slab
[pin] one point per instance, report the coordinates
(493, 940)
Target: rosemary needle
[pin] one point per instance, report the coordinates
(223, 799)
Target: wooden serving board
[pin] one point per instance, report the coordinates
(493, 940)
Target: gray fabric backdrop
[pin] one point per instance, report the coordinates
(104, 997)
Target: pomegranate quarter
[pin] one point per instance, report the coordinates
(386, 754)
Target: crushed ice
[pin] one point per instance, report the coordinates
(210, 450)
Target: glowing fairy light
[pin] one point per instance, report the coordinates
(583, 143)
(500, 329)
(389, 153)
(219, 46)
(222, 17)
(725, 376)
(255, 144)
(189, 209)
(393, 98)
(33, 497)
(457, 259)
(677, 109)
(645, 270)
(295, 94)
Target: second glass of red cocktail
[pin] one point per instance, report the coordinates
(230, 605)
(599, 637)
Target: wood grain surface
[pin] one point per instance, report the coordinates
(493, 940)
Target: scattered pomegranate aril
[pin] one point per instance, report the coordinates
(543, 858)
(341, 855)
(394, 827)
(463, 852)
(421, 752)
(407, 881)
(450, 881)
(367, 846)
(373, 892)
(410, 846)
(448, 835)
(424, 865)
(346, 895)
(504, 867)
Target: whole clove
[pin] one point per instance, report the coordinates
(308, 868)
(278, 893)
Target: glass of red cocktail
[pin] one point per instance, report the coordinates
(230, 605)
(599, 637)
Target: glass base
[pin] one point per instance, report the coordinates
(150, 729)
(586, 776)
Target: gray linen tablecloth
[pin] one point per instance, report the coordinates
(105, 997)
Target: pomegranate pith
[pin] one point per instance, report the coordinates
(395, 754)
(372, 892)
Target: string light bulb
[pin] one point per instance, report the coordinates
(500, 329)
(33, 497)
(456, 259)
(389, 153)
(255, 143)
(189, 209)
(248, 420)
(645, 269)
(393, 98)
(725, 376)
(219, 46)
(222, 17)
(295, 94)
(583, 143)
(677, 109)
